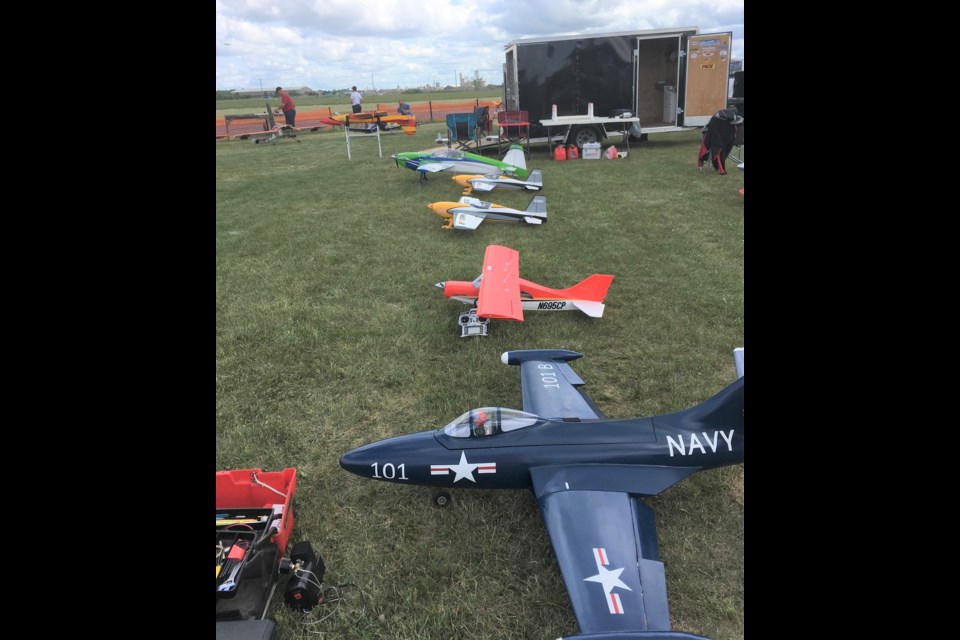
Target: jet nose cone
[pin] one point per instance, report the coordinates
(397, 459)
(357, 461)
(441, 285)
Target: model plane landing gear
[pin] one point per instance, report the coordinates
(471, 325)
(441, 499)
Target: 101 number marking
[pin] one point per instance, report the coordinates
(390, 471)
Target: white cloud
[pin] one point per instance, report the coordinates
(333, 44)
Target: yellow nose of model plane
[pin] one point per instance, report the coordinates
(464, 181)
(442, 208)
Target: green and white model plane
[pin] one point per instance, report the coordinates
(423, 162)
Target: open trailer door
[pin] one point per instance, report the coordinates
(708, 76)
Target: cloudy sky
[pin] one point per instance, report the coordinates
(386, 44)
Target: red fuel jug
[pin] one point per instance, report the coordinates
(572, 153)
(560, 152)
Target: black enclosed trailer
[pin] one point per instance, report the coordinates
(671, 79)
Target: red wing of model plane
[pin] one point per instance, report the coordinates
(500, 293)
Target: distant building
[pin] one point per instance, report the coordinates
(256, 93)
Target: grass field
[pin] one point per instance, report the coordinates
(331, 334)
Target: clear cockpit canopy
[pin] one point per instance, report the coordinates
(487, 421)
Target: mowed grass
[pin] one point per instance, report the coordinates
(331, 334)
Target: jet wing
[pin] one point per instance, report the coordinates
(605, 541)
(467, 220)
(500, 284)
(482, 185)
(550, 389)
(434, 167)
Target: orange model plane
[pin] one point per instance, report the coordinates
(365, 120)
(500, 293)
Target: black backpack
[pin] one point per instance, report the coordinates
(721, 133)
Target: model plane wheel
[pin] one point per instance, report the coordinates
(441, 499)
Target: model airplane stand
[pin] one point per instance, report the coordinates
(366, 133)
(280, 131)
(471, 325)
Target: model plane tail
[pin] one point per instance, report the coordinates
(588, 295)
(538, 206)
(721, 414)
(516, 158)
(536, 178)
(592, 289)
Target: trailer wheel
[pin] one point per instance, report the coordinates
(583, 135)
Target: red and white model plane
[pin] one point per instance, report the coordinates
(500, 293)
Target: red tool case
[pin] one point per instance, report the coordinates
(254, 514)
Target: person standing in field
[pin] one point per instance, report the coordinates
(356, 99)
(287, 106)
(403, 108)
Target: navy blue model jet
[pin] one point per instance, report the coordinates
(588, 474)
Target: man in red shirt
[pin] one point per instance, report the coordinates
(287, 106)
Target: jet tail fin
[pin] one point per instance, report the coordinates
(516, 158)
(593, 288)
(537, 210)
(537, 205)
(721, 413)
(536, 177)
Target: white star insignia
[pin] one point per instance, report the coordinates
(464, 469)
(609, 579)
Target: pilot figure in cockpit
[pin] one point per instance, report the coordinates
(482, 424)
